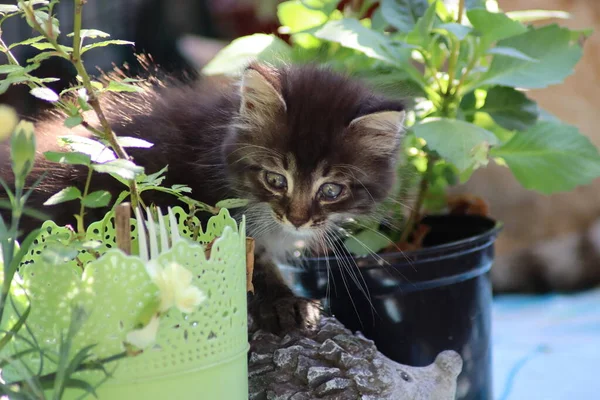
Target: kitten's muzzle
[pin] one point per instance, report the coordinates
(297, 221)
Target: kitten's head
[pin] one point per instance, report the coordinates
(311, 147)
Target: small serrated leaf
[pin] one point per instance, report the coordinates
(97, 199)
(45, 94)
(232, 203)
(90, 33)
(114, 86)
(105, 43)
(124, 168)
(67, 194)
(127, 141)
(8, 68)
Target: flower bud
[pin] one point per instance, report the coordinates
(22, 150)
(8, 121)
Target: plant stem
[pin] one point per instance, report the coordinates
(455, 50)
(415, 213)
(80, 224)
(11, 58)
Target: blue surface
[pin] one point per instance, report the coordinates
(547, 347)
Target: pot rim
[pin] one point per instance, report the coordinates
(406, 255)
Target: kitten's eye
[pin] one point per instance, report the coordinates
(331, 191)
(275, 180)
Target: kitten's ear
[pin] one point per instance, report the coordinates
(380, 132)
(260, 93)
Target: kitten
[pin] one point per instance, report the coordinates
(306, 146)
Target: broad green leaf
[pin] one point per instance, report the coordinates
(8, 8)
(510, 108)
(471, 4)
(105, 43)
(494, 26)
(26, 42)
(98, 151)
(366, 242)
(123, 168)
(233, 59)
(421, 34)
(90, 33)
(8, 68)
(67, 194)
(536, 15)
(458, 30)
(457, 142)
(551, 45)
(551, 157)
(510, 52)
(97, 199)
(72, 122)
(73, 157)
(295, 17)
(127, 141)
(114, 86)
(352, 34)
(232, 203)
(45, 94)
(403, 14)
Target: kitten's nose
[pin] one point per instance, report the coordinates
(297, 221)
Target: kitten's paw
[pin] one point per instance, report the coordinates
(284, 314)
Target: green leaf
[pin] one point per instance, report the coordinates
(73, 157)
(72, 122)
(97, 199)
(8, 68)
(494, 26)
(11, 80)
(366, 242)
(98, 151)
(551, 157)
(421, 34)
(67, 194)
(350, 33)
(8, 8)
(551, 45)
(90, 33)
(114, 86)
(403, 14)
(106, 43)
(233, 59)
(232, 203)
(15, 328)
(510, 108)
(26, 42)
(127, 141)
(295, 17)
(458, 30)
(457, 142)
(510, 52)
(45, 94)
(43, 56)
(50, 46)
(123, 168)
(537, 15)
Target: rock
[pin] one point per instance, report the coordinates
(330, 363)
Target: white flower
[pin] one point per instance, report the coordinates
(142, 338)
(175, 285)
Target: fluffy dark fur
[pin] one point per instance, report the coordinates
(318, 132)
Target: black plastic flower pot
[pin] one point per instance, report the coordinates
(416, 304)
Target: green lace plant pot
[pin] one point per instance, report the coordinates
(196, 355)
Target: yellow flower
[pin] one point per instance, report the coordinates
(175, 285)
(8, 121)
(144, 337)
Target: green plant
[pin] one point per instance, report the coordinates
(56, 365)
(468, 68)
